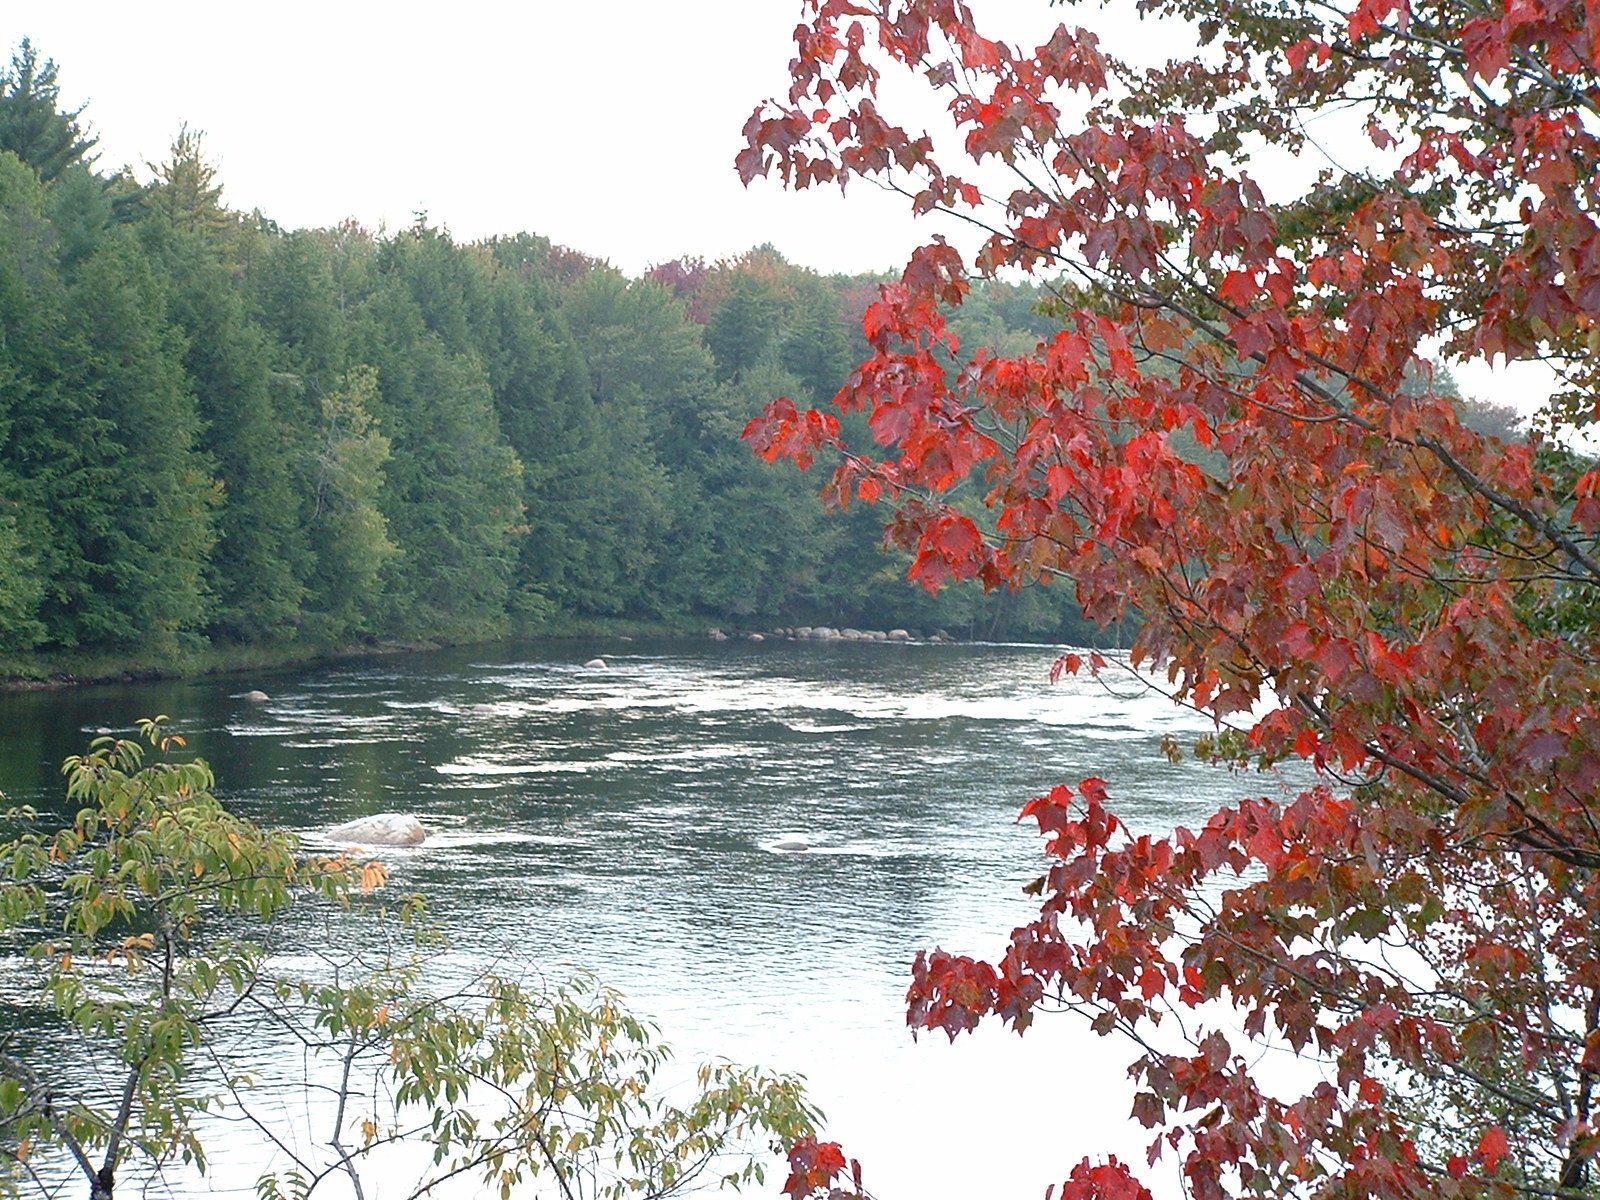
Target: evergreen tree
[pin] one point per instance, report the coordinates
(295, 290)
(186, 191)
(113, 497)
(815, 345)
(649, 375)
(453, 503)
(541, 392)
(32, 126)
(349, 534)
(742, 328)
(138, 500)
(29, 309)
(80, 206)
(257, 571)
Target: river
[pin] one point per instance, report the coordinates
(622, 820)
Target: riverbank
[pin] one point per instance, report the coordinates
(69, 669)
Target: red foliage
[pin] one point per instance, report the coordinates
(1225, 438)
(813, 1169)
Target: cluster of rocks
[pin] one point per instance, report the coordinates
(827, 633)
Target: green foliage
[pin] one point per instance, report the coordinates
(350, 537)
(186, 192)
(31, 125)
(454, 502)
(139, 890)
(136, 491)
(256, 573)
(547, 415)
(516, 1081)
(145, 922)
(29, 295)
(114, 498)
(645, 360)
(20, 587)
(215, 431)
(742, 327)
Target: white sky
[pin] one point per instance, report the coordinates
(605, 125)
(610, 126)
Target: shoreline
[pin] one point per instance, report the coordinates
(61, 672)
(51, 674)
(214, 662)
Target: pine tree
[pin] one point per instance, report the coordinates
(32, 126)
(453, 501)
(136, 495)
(186, 191)
(257, 571)
(541, 393)
(349, 533)
(27, 312)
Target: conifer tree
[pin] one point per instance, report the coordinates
(32, 125)
(186, 191)
(256, 573)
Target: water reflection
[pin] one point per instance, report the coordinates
(623, 821)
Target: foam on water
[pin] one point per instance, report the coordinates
(628, 822)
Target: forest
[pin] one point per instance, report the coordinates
(222, 438)
(1228, 432)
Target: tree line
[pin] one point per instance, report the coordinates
(216, 432)
(1381, 983)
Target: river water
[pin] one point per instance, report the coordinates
(623, 820)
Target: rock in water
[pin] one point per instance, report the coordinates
(384, 829)
(596, 664)
(257, 697)
(792, 842)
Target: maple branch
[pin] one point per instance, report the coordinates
(1551, 531)
(1575, 1170)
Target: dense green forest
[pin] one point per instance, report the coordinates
(218, 436)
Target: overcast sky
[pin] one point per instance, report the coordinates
(610, 127)
(605, 125)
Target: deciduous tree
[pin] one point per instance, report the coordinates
(1347, 575)
(145, 923)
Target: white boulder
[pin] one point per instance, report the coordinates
(384, 829)
(596, 664)
(257, 697)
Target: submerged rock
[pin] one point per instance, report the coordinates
(793, 842)
(257, 697)
(596, 664)
(384, 829)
